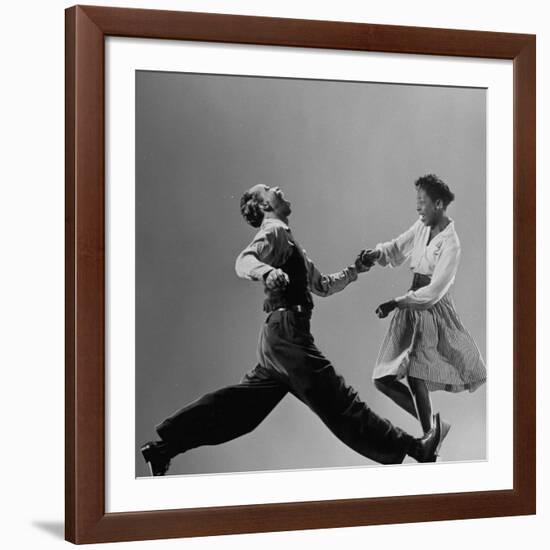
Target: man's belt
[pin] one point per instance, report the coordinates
(297, 308)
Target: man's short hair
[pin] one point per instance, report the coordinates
(251, 209)
(435, 188)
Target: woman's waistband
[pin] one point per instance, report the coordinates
(420, 280)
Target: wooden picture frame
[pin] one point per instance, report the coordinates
(86, 30)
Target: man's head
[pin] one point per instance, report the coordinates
(261, 202)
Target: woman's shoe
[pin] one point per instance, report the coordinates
(425, 448)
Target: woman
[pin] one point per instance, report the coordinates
(426, 344)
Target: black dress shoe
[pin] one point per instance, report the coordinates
(425, 448)
(157, 457)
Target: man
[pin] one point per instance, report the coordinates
(288, 359)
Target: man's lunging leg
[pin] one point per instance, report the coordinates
(288, 345)
(215, 418)
(339, 406)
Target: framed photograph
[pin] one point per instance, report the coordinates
(300, 274)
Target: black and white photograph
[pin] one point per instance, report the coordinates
(310, 273)
(275, 275)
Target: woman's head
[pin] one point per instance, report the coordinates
(432, 198)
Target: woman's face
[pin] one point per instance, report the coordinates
(428, 210)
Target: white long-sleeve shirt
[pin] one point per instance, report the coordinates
(439, 259)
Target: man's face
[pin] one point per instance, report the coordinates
(274, 198)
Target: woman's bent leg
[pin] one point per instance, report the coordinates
(423, 402)
(398, 392)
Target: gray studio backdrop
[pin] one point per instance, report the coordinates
(346, 154)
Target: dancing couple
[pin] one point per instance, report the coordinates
(426, 347)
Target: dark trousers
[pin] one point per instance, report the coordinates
(289, 361)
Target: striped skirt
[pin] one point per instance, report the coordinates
(433, 345)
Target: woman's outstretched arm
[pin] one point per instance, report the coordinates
(396, 251)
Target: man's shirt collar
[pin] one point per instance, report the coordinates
(270, 222)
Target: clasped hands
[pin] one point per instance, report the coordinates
(366, 259)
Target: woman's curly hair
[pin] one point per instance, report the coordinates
(435, 188)
(251, 209)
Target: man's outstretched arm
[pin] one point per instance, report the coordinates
(327, 284)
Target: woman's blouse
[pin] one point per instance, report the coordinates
(439, 259)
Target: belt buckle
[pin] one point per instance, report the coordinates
(296, 308)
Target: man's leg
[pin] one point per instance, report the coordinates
(289, 347)
(215, 418)
(339, 406)
(224, 414)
